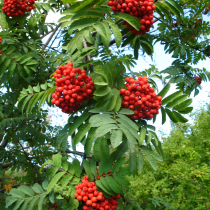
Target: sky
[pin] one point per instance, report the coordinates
(161, 61)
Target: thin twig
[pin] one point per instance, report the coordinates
(51, 36)
(27, 158)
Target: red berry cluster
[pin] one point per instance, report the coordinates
(17, 7)
(0, 43)
(87, 192)
(140, 98)
(73, 86)
(197, 78)
(141, 9)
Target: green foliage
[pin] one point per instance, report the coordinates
(25, 197)
(113, 143)
(182, 180)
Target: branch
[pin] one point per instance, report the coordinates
(6, 165)
(51, 36)
(27, 158)
(4, 143)
(85, 46)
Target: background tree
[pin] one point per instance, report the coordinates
(30, 76)
(182, 180)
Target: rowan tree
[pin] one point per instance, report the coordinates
(110, 109)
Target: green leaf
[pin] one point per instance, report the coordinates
(37, 188)
(126, 111)
(132, 161)
(140, 163)
(3, 21)
(177, 6)
(116, 138)
(104, 149)
(102, 91)
(171, 97)
(10, 200)
(152, 162)
(23, 207)
(148, 137)
(106, 39)
(57, 159)
(131, 140)
(81, 133)
(16, 205)
(40, 204)
(164, 91)
(88, 36)
(101, 83)
(4, 66)
(25, 58)
(77, 168)
(105, 183)
(17, 193)
(31, 62)
(36, 88)
(124, 171)
(183, 105)
(65, 180)
(180, 117)
(146, 150)
(128, 126)
(121, 180)
(97, 110)
(128, 18)
(82, 23)
(186, 110)
(113, 185)
(32, 203)
(87, 168)
(142, 135)
(171, 8)
(102, 130)
(78, 122)
(86, 4)
(51, 172)
(97, 150)
(27, 190)
(100, 28)
(129, 207)
(97, 41)
(88, 13)
(100, 119)
(54, 181)
(118, 104)
(119, 152)
(45, 184)
(116, 32)
(113, 100)
(104, 188)
(163, 115)
(10, 49)
(147, 47)
(177, 101)
(129, 121)
(171, 116)
(93, 167)
(118, 164)
(89, 141)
